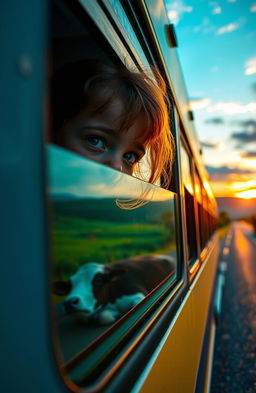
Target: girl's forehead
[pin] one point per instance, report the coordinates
(114, 109)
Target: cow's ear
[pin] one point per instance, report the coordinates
(116, 272)
(61, 288)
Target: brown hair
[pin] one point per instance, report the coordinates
(75, 86)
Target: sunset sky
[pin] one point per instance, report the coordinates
(217, 51)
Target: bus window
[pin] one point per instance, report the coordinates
(199, 202)
(204, 217)
(204, 213)
(189, 205)
(113, 239)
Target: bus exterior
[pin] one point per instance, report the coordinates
(61, 212)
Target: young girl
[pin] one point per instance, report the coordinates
(113, 116)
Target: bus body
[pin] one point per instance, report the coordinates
(165, 343)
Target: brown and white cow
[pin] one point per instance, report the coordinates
(103, 293)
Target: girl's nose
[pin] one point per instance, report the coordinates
(114, 161)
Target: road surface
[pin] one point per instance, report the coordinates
(234, 365)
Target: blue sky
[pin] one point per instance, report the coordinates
(217, 51)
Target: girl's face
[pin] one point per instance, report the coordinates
(98, 136)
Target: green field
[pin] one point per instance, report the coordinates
(77, 240)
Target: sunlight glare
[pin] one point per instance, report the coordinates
(208, 188)
(250, 162)
(242, 185)
(246, 194)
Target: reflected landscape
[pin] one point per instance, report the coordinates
(113, 243)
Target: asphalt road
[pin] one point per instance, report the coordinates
(234, 365)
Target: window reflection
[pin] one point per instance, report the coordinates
(189, 204)
(108, 253)
(186, 172)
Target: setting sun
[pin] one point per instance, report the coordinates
(242, 185)
(246, 194)
(237, 189)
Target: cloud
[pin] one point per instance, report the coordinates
(216, 10)
(250, 66)
(245, 136)
(228, 28)
(250, 124)
(215, 120)
(224, 169)
(199, 103)
(230, 108)
(215, 145)
(253, 8)
(176, 10)
(214, 69)
(205, 27)
(248, 194)
(248, 133)
(225, 173)
(249, 154)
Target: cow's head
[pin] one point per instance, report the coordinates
(88, 289)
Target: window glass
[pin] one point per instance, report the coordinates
(186, 172)
(198, 192)
(207, 222)
(189, 204)
(113, 242)
(198, 188)
(204, 216)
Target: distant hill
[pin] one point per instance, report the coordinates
(63, 197)
(105, 209)
(237, 207)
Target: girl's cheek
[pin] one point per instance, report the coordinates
(74, 143)
(128, 169)
(70, 142)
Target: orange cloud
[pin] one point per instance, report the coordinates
(246, 194)
(240, 189)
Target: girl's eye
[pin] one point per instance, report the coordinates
(96, 142)
(131, 157)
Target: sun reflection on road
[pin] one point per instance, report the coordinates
(225, 251)
(244, 249)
